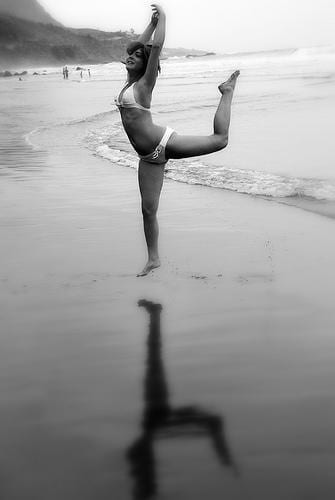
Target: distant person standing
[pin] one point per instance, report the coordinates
(89, 73)
(81, 74)
(65, 73)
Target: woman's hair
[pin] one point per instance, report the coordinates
(146, 50)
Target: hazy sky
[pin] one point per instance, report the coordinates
(216, 25)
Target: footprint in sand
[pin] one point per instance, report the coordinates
(84, 280)
(199, 277)
(255, 278)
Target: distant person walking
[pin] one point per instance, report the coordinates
(154, 144)
(65, 73)
(89, 73)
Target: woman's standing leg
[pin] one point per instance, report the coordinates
(184, 146)
(150, 178)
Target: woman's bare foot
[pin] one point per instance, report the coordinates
(150, 266)
(229, 85)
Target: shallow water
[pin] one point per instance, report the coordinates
(281, 131)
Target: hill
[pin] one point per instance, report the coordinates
(27, 43)
(30, 10)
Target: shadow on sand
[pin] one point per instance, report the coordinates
(160, 419)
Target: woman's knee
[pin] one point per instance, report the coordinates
(149, 209)
(220, 141)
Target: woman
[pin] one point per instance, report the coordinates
(153, 143)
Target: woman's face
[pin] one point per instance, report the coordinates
(135, 61)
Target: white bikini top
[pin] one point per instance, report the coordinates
(126, 99)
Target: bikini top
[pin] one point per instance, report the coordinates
(128, 99)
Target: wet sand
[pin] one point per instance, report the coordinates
(224, 389)
(247, 293)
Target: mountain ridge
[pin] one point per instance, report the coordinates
(30, 36)
(30, 43)
(29, 10)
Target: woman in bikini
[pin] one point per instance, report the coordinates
(154, 144)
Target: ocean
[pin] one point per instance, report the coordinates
(281, 136)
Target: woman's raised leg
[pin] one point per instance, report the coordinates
(184, 146)
(150, 178)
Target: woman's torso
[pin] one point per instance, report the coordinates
(136, 118)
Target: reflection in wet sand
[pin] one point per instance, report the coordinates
(160, 419)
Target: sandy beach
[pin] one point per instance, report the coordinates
(225, 391)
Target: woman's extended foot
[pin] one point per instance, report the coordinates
(150, 266)
(229, 85)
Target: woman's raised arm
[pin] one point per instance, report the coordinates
(151, 72)
(159, 35)
(146, 35)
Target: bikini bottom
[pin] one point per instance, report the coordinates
(158, 156)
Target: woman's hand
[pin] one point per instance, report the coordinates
(154, 19)
(157, 13)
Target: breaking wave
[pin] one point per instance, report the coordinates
(111, 145)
